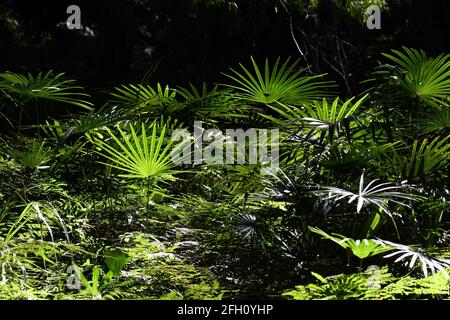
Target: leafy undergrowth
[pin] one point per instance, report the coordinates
(93, 204)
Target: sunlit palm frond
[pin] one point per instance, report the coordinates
(138, 156)
(437, 121)
(424, 158)
(47, 86)
(281, 83)
(320, 118)
(142, 96)
(414, 75)
(411, 257)
(362, 249)
(246, 225)
(372, 194)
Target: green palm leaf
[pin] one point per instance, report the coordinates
(437, 121)
(282, 83)
(425, 157)
(372, 194)
(320, 117)
(142, 96)
(362, 249)
(34, 155)
(416, 76)
(138, 156)
(209, 103)
(47, 86)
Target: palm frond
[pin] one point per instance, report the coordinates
(210, 103)
(47, 86)
(362, 249)
(144, 96)
(437, 121)
(414, 75)
(372, 194)
(343, 158)
(411, 257)
(98, 119)
(424, 158)
(246, 225)
(138, 156)
(281, 83)
(320, 118)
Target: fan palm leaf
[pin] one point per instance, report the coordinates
(411, 257)
(138, 156)
(319, 117)
(362, 249)
(424, 158)
(282, 83)
(414, 75)
(437, 121)
(376, 194)
(141, 96)
(209, 103)
(47, 86)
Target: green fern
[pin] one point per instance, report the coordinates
(358, 287)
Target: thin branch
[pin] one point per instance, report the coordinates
(291, 26)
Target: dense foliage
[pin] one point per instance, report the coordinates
(92, 205)
(353, 205)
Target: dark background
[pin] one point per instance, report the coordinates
(179, 41)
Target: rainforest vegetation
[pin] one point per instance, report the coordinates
(353, 205)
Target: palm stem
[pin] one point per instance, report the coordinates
(148, 193)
